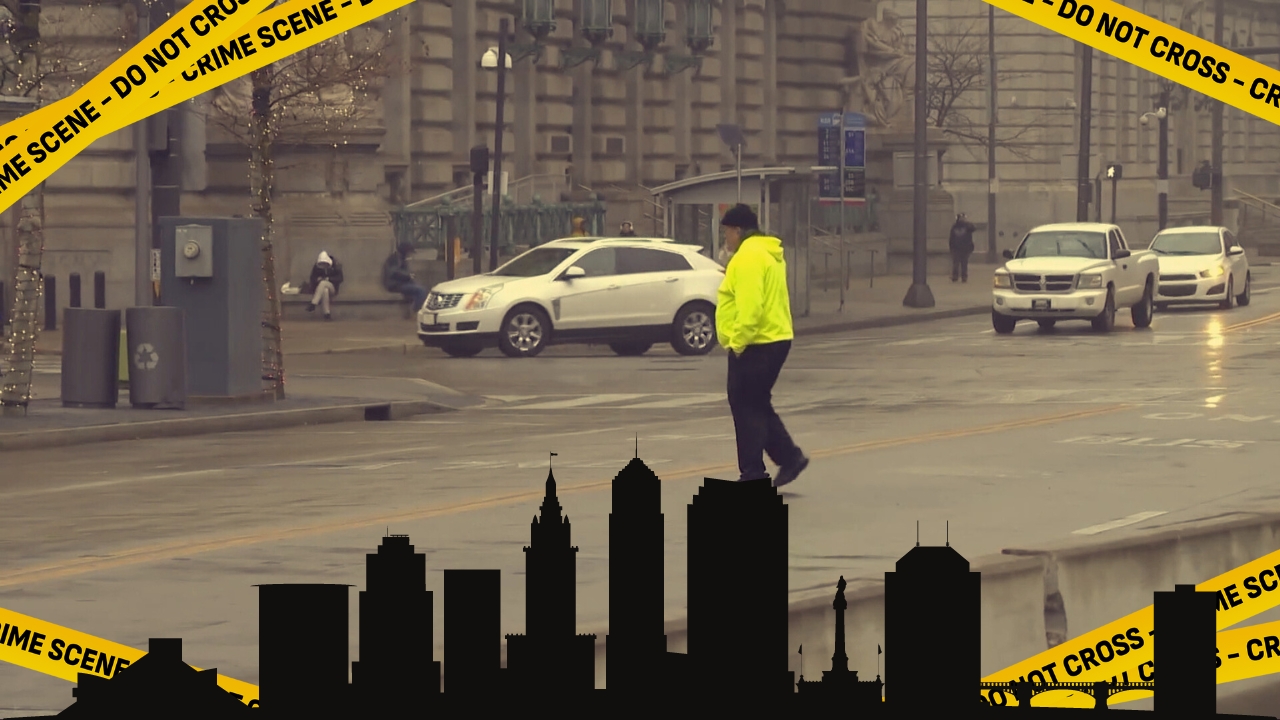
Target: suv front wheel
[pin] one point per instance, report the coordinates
(524, 332)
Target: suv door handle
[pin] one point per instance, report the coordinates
(673, 279)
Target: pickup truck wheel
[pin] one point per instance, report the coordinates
(1229, 300)
(1145, 309)
(1107, 320)
(1046, 324)
(1243, 298)
(1002, 323)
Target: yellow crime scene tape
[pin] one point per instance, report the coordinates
(41, 142)
(1161, 48)
(65, 653)
(1123, 649)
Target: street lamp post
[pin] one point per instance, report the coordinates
(919, 295)
(1162, 162)
(502, 61)
(1215, 188)
(992, 104)
(1086, 120)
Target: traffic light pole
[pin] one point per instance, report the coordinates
(1114, 182)
(1162, 165)
(1215, 187)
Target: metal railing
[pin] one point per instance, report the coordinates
(428, 228)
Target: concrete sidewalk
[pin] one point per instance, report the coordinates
(310, 400)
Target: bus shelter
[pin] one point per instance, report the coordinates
(782, 197)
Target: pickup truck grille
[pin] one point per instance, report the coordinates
(438, 301)
(1046, 283)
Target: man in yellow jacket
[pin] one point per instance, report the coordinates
(753, 322)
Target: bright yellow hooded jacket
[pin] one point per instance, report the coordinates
(753, 307)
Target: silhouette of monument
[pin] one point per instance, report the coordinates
(551, 658)
(932, 601)
(636, 645)
(396, 629)
(738, 643)
(472, 632)
(303, 648)
(1185, 651)
(168, 686)
(840, 681)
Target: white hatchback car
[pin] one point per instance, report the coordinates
(629, 293)
(1201, 265)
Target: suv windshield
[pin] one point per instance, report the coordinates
(1059, 243)
(538, 261)
(1184, 243)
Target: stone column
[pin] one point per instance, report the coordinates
(583, 109)
(525, 76)
(682, 91)
(397, 108)
(635, 107)
(729, 67)
(772, 19)
(466, 59)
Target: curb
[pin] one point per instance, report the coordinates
(893, 320)
(184, 427)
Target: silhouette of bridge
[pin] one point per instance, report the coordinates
(1024, 691)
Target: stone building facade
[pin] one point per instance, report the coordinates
(772, 66)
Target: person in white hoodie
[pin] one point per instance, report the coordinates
(326, 277)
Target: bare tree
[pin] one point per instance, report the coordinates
(957, 72)
(44, 67)
(313, 98)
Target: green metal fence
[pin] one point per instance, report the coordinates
(427, 228)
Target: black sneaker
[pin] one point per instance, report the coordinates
(787, 474)
(327, 316)
(311, 307)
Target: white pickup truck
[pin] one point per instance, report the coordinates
(1074, 271)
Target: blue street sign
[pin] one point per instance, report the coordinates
(854, 127)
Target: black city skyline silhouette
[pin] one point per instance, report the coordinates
(738, 635)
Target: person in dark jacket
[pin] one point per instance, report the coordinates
(961, 248)
(396, 277)
(326, 278)
(627, 230)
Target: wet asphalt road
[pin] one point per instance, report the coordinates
(1018, 440)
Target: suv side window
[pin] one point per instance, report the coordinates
(599, 263)
(644, 260)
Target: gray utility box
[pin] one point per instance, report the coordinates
(212, 269)
(157, 357)
(90, 358)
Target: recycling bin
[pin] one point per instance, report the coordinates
(157, 338)
(90, 358)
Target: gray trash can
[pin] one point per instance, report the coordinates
(157, 338)
(90, 358)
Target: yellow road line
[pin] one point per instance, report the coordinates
(1252, 323)
(135, 556)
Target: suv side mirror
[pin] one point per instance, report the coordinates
(573, 272)
(1008, 254)
(1121, 254)
(1235, 250)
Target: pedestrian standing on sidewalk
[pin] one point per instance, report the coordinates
(961, 248)
(753, 322)
(326, 277)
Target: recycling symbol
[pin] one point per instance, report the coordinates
(145, 358)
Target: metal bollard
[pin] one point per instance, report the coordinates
(50, 302)
(73, 288)
(100, 290)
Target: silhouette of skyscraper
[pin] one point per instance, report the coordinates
(472, 632)
(302, 648)
(396, 628)
(932, 601)
(636, 645)
(738, 641)
(840, 681)
(1185, 649)
(551, 657)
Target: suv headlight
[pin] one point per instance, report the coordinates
(1002, 280)
(1092, 280)
(480, 298)
(1212, 272)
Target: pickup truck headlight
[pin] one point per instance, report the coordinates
(1212, 272)
(480, 298)
(1089, 281)
(1002, 281)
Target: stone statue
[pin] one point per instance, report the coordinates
(884, 63)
